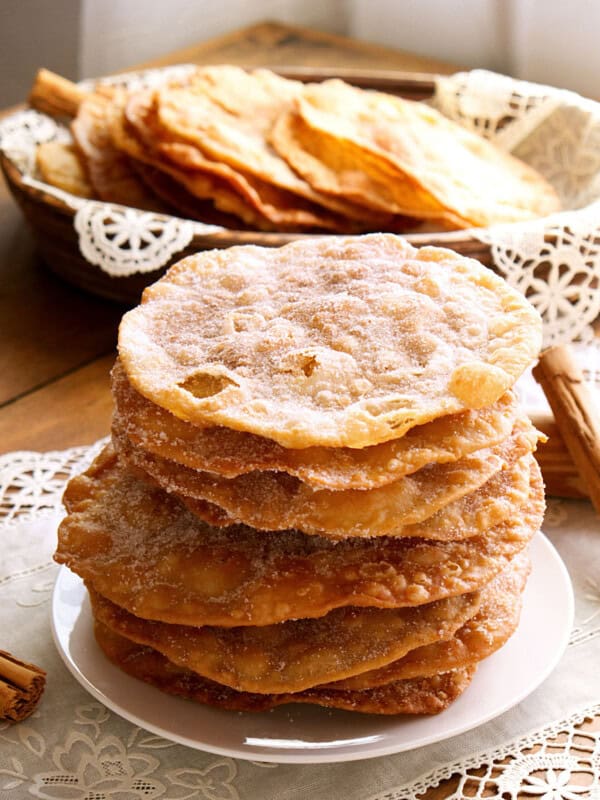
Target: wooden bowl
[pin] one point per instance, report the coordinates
(51, 219)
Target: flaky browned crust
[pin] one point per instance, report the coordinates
(139, 547)
(482, 635)
(229, 124)
(416, 696)
(107, 168)
(300, 653)
(431, 163)
(251, 149)
(270, 500)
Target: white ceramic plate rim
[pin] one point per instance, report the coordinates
(311, 735)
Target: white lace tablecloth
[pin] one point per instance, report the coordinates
(73, 748)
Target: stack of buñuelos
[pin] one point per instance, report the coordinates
(320, 486)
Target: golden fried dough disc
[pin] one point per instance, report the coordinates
(233, 88)
(187, 164)
(229, 118)
(60, 165)
(455, 168)
(332, 166)
(486, 632)
(298, 654)
(284, 210)
(209, 181)
(185, 161)
(278, 501)
(231, 453)
(180, 201)
(321, 161)
(464, 518)
(473, 513)
(140, 548)
(108, 169)
(468, 516)
(417, 696)
(263, 97)
(338, 342)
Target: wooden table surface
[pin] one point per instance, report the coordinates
(58, 343)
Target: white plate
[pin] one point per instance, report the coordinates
(309, 735)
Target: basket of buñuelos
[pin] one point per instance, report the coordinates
(121, 177)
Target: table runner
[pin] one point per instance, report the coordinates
(73, 747)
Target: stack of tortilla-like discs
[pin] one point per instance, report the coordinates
(320, 487)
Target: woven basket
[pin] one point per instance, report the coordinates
(51, 219)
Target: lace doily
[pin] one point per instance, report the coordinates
(31, 483)
(75, 748)
(555, 262)
(542, 764)
(123, 240)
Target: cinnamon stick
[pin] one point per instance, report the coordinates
(21, 686)
(54, 95)
(561, 476)
(575, 413)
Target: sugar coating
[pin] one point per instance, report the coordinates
(277, 501)
(298, 654)
(144, 551)
(230, 453)
(338, 342)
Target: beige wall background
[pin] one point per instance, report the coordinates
(33, 34)
(549, 41)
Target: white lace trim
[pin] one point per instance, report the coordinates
(555, 262)
(123, 241)
(31, 483)
(21, 133)
(580, 753)
(495, 106)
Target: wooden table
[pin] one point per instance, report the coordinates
(58, 343)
